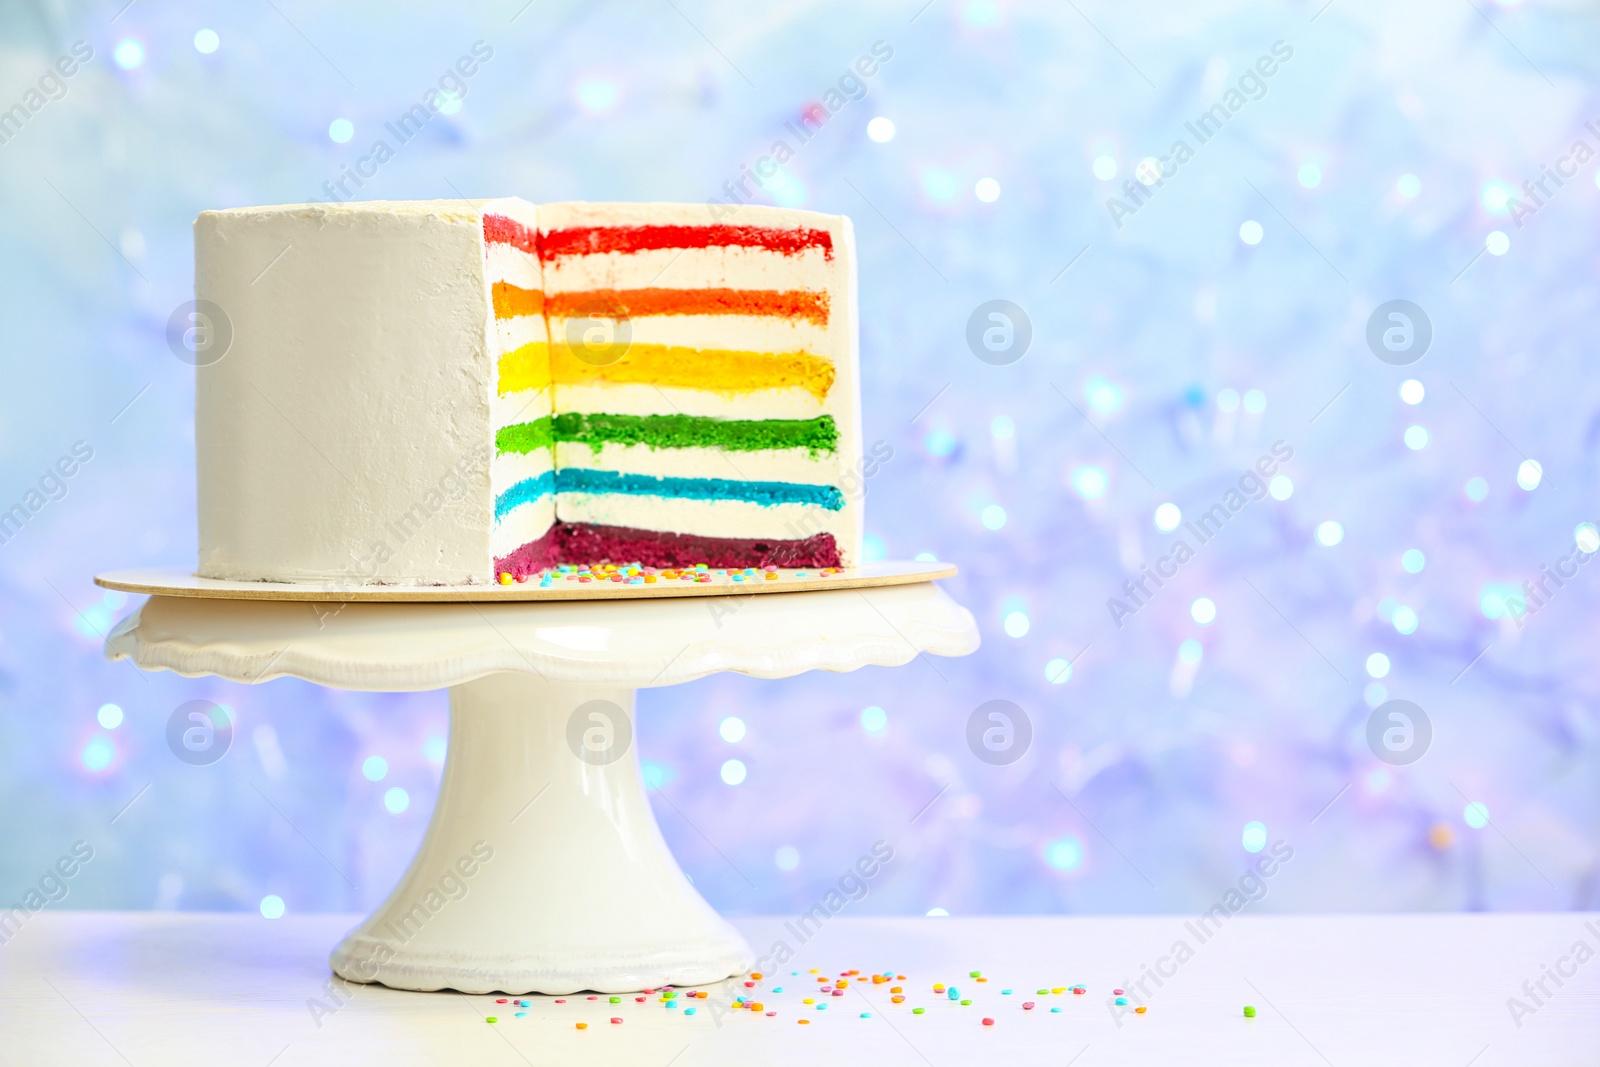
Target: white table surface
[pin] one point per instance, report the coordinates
(173, 989)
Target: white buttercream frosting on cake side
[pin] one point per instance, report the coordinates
(342, 435)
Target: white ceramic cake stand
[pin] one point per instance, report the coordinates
(543, 869)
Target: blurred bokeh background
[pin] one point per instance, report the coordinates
(1175, 338)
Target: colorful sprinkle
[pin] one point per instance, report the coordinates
(1249, 1011)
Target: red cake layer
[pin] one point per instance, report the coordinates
(584, 543)
(501, 229)
(598, 240)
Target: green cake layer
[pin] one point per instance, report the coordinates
(818, 435)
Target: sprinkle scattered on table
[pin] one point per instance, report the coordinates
(848, 983)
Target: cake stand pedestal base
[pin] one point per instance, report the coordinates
(543, 869)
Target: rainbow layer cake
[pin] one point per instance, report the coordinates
(447, 391)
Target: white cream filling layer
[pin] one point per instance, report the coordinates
(705, 518)
(514, 408)
(509, 468)
(508, 263)
(512, 334)
(781, 465)
(522, 524)
(659, 400)
(743, 333)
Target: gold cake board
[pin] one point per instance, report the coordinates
(176, 581)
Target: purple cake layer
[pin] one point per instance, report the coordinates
(583, 543)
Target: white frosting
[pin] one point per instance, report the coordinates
(523, 406)
(511, 334)
(778, 465)
(746, 333)
(346, 422)
(665, 400)
(504, 263)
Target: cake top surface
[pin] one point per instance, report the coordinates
(446, 208)
(592, 212)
